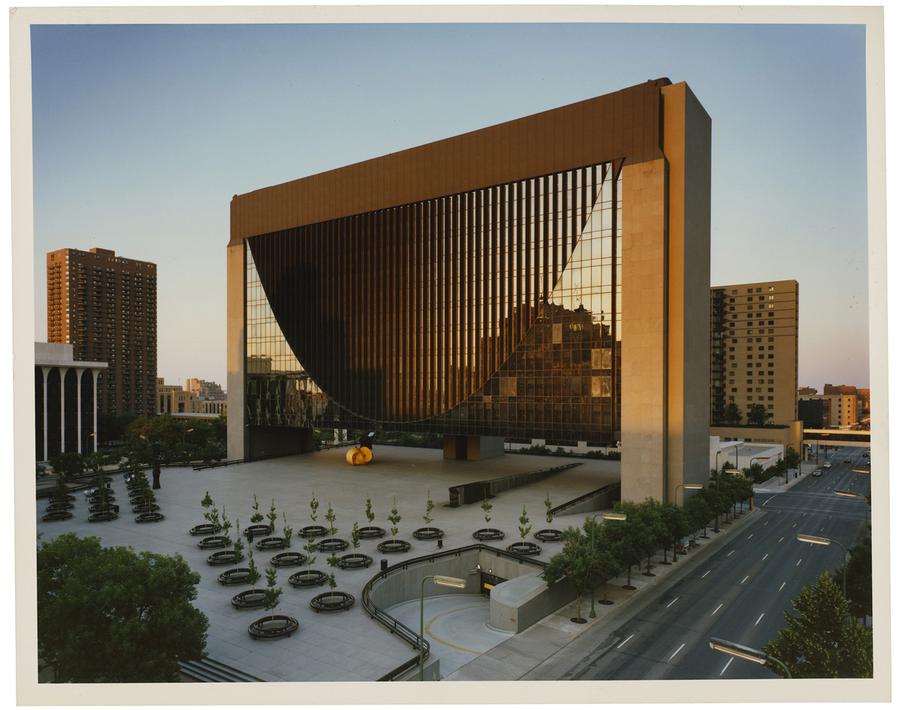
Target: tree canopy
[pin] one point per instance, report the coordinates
(820, 639)
(113, 615)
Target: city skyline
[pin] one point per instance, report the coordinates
(142, 154)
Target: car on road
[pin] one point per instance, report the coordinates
(847, 461)
(827, 464)
(817, 473)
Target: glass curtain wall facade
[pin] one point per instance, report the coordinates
(489, 312)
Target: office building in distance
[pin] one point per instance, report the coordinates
(105, 307)
(754, 351)
(547, 277)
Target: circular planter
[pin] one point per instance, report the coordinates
(307, 578)
(249, 599)
(355, 560)
(371, 532)
(139, 493)
(102, 516)
(238, 575)
(273, 627)
(103, 508)
(149, 518)
(428, 534)
(56, 515)
(94, 497)
(257, 531)
(550, 535)
(488, 534)
(65, 498)
(332, 544)
(313, 531)
(205, 529)
(224, 557)
(332, 601)
(152, 508)
(63, 505)
(524, 548)
(271, 543)
(389, 546)
(288, 559)
(214, 542)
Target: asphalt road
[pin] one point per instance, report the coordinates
(742, 592)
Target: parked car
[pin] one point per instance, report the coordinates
(827, 464)
(847, 461)
(817, 473)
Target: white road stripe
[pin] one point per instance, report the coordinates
(717, 609)
(730, 554)
(672, 602)
(767, 500)
(759, 619)
(745, 579)
(798, 562)
(725, 668)
(765, 523)
(782, 586)
(794, 525)
(705, 573)
(750, 536)
(765, 556)
(781, 538)
(625, 641)
(676, 652)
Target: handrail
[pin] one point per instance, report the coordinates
(580, 499)
(416, 641)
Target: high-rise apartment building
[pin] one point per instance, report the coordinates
(753, 350)
(105, 306)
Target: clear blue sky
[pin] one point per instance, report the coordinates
(142, 134)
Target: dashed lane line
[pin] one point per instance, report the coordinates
(759, 619)
(625, 641)
(705, 573)
(717, 609)
(676, 652)
(725, 667)
(672, 602)
(765, 556)
(745, 579)
(798, 562)
(781, 538)
(730, 554)
(782, 586)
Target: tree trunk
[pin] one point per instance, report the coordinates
(675, 549)
(156, 475)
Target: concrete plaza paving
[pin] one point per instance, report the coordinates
(346, 645)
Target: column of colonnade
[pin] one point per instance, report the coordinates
(79, 372)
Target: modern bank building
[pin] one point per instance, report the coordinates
(547, 277)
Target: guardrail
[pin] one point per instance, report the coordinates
(609, 488)
(416, 641)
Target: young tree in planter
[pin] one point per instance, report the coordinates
(548, 505)
(331, 517)
(253, 575)
(394, 519)
(313, 508)
(257, 517)
(310, 548)
(524, 524)
(144, 626)
(206, 502)
(287, 531)
(226, 523)
(272, 515)
(212, 517)
(60, 491)
(429, 506)
(238, 546)
(146, 493)
(487, 506)
(332, 560)
(370, 514)
(354, 535)
(820, 640)
(273, 591)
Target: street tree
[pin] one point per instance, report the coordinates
(859, 578)
(820, 639)
(573, 563)
(113, 615)
(677, 526)
(732, 414)
(632, 536)
(758, 415)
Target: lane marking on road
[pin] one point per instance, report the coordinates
(745, 579)
(781, 538)
(725, 668)
(705, 573)
(676, 652)
(782, 586)
(717, 609)
(794, 525)
(767, 500)
(759, 619)
(730, 554)
(750, 536)
(672, 602)
(765, 556)
(625, 641)
(765, 523)
(798, 562)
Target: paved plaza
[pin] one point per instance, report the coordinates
(346, 645)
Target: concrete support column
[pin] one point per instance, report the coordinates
(96, 374)
(46, 373)
(78, 373)
(236, 270)
(62, 409)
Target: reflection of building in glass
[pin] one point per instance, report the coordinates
(480, 286)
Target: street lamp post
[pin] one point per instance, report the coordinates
(736, 447)
(818, 540)
(861, 496)
(754, 655)
(603, 517)
(443, 581)
(183, 437)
